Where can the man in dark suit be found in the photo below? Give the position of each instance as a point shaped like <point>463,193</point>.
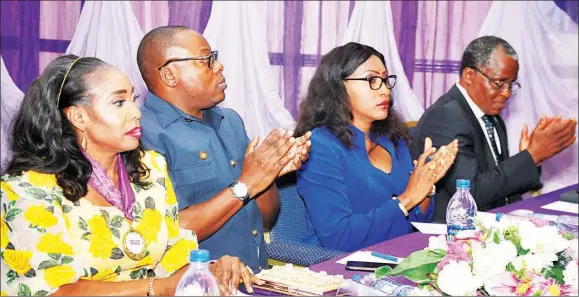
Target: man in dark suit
<point>470,112</point>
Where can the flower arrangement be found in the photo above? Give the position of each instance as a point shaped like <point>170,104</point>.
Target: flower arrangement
<point>504,256</point>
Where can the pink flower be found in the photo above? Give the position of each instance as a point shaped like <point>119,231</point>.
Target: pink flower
<point>551,288</point>
<point>507,284</point>
<point>457,251</point>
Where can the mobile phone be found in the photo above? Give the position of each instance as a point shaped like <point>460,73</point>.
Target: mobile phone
<point>366,266</point>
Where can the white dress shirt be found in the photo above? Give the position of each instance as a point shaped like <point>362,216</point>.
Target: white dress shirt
<point>478,113</point>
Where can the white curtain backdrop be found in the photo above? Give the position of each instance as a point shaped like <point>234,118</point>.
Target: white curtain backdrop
<point>371,24</point>
<point>546,40</point>
<point>10,99</point>
<point>110,31</point>
<point>238,31</point>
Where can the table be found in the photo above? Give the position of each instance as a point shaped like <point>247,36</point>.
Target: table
<point>407,244</point>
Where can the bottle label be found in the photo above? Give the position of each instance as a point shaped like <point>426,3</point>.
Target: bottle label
<point>453,230</point>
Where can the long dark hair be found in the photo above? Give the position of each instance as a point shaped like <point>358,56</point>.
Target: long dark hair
<point>44,140</point>
<point>326,102</point>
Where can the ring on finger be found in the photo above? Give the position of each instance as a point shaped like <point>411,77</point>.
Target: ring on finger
<point>432,166</point>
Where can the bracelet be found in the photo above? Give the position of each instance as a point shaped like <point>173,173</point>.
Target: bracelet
<point>432,192</point>
<point>150,290</point>
<point>402,208</point>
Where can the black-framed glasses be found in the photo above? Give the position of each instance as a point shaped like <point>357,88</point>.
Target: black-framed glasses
<point>211,58</point>
<point>512,87</point>
<point>376,82</point>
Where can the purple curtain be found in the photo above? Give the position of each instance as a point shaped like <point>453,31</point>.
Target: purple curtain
<point>405,19</point>
<point>292,58</point>
<point>571,8</point>
<point>20,40</point>
<point>192,14</point>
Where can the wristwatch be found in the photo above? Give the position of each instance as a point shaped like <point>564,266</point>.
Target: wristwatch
<point>240,190</point>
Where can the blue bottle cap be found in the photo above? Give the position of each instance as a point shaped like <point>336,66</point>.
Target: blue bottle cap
<point>199,256</point>
<point>499,216</point>
<point>463,183</point>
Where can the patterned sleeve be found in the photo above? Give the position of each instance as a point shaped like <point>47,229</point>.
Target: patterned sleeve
<point>37,256</point>
<point>181,241</point>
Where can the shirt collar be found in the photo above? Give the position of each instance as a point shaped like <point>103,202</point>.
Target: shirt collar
<point>167,113</point>
<point>359,139</point>
<point>478,113</point>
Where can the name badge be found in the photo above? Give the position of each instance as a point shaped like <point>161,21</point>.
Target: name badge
<point>134,245</point>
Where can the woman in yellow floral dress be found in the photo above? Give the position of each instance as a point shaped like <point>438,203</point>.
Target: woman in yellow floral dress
<point>79,185</point>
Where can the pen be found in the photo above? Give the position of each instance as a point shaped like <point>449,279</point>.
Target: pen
<point>385,257</point>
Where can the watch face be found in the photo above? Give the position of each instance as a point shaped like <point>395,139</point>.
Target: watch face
<point>240,189</point>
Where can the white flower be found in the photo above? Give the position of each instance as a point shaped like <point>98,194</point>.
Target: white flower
<point>535,261</point>
<point>544,239</point>
<point>493,259</point>
<point>573,249</point>
<point>570,275</point>
<point>456,279</point>
<point>437,243</point>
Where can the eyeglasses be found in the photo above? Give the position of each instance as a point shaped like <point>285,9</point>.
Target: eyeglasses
<point>376,82</point>
<point>512,87</point>
<point>211,58</point>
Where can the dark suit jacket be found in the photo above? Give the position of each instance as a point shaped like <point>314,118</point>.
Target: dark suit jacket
<point>492,185</point>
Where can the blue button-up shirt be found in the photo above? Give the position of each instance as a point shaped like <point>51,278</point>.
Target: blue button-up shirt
<point>204,156</point>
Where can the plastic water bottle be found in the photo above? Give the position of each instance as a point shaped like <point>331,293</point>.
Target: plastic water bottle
<point>461,210</point>
<point>384,284</point>
<point>198,280</point>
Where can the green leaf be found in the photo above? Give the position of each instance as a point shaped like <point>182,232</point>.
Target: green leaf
<point>151,273</point>
<point>136,274</point>
<point>47,264</point>
<point>41,230</point>
<point>24,185</point>
<point>161,181</point>
<point>66,260</point>
<point>137,208</point>
<point>85,236</point>
<point>106,216</point>
<point>117,254</point>
<point>66,208</point>
<point>41,293</point>
<point>30,273</point>
<point>57,197</point>
<point>93,271</point>
<point>554,272</point>
<point>11,276</point>
<point>419,265</point>
<point>36,193</point>
<point>382,271</point>
<point>538,293</point>
<point>82,224</point>
<point>496,237</point>
<point>568,236</point>
<point>117,222</point>
<point>12,213</point>
<point>137,188</point>
<point>50,209</point>
<point>54,256</point>
<point>85,272</point>
<point>116,233</point>
<point>150,203</point>
<point>11,204</point>
<point>118,270</point>
<point>23,290</point>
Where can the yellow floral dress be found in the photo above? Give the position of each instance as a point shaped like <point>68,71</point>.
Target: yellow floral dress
<point>46,241</point>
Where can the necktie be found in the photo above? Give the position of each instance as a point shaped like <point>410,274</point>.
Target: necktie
<point>490,127</point>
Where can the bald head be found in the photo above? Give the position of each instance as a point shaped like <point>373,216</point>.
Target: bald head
<point>153,49</point>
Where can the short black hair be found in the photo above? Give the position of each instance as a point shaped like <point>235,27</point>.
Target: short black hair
<point>478,52</point>
<point>153,44</point>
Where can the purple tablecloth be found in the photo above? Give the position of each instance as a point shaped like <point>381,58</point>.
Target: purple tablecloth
<point>407,244</point>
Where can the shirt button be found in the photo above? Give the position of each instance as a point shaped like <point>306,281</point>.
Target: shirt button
<point>233,163</point>
<point>188,120</point>
<point>254,232</point>
<point>203,155</point>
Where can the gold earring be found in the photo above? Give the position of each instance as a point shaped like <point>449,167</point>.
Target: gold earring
<point>83,142</point>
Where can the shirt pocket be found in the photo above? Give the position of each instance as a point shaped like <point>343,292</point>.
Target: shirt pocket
<point>198,182</point>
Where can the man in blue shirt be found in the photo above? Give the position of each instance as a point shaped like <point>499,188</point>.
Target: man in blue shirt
<point>223,182</point>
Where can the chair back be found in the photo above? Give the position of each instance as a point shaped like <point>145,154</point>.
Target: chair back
<point>291,221</point>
